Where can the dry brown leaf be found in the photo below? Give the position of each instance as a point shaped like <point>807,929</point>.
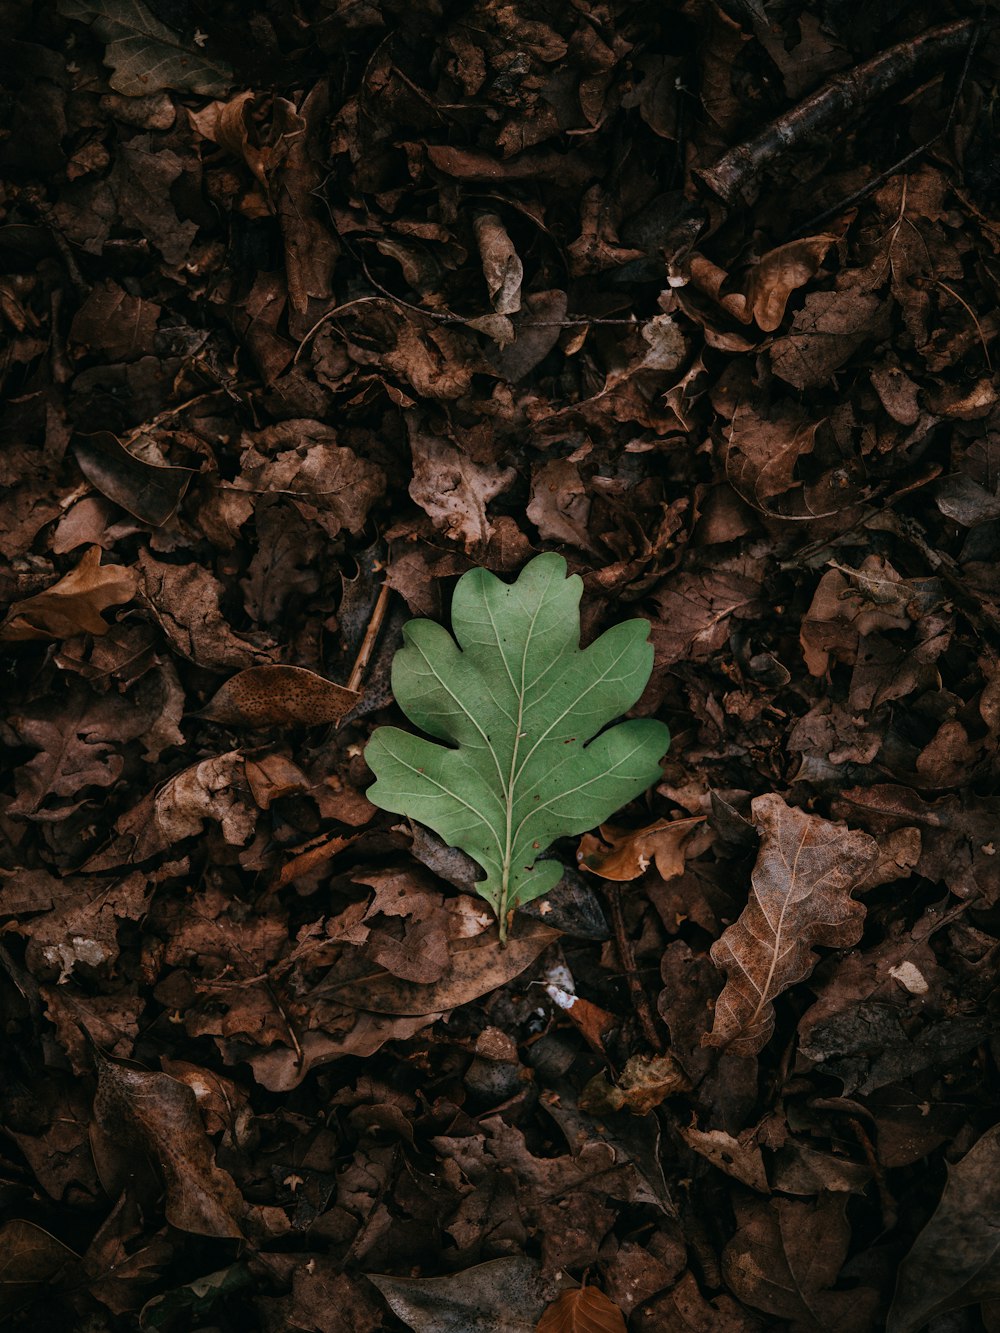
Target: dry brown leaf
<point>270,696</point>
<point>74,604</point>
<point>158,1114</point>
<point>779,273</point>
<point>740,1158</point>
<point>476,967</point>
<point>622,854</point>
<point>225,124</point>
<point>802,882</point>
<point>560,506</point>
<point>763,452</point>
<point>585,1310</point>
<point>29,1258</point>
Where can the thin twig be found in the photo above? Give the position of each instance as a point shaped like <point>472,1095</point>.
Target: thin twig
<point>368,642</point>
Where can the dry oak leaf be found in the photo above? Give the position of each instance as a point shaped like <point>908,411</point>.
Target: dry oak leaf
<point>74,604</point>
<point>152,1112</point>
<point>623,854</point>
<point>585,1310</point>
<point>453,490</point>
<point>268,696</point>
<point>806,870</point>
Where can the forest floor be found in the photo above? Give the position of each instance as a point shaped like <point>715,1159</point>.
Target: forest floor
<point>310,307</point>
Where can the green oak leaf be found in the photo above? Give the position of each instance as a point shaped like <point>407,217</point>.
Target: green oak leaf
<point>519,701</point>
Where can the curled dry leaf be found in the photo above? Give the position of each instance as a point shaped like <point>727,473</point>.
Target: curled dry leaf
<point>740,1158</point>
<point>501,1296</point>
<point>806,870</point>
<point>623,854</point>
<point>645,1082</point>
<point>585,1310</point>
<point>158,1114</point>
<point>149,492</point>
<point>74,604</point>
<point>502,268</point>
<point>779,273</point>
<point>270,696</point>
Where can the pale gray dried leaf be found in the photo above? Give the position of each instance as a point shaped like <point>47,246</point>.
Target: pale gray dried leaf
<point>502,1296</point>
<point>144,53</point>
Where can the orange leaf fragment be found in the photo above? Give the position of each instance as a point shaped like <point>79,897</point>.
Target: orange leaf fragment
<point>268,696</point>
<point>622,854</point>
<point>585,1310</point>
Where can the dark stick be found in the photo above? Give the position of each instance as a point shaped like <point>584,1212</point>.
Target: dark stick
<point>627,959</point>
<point>736,173</point>
<point>878,181</point>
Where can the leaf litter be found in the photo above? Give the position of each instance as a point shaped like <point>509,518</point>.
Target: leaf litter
<point>311,311</point>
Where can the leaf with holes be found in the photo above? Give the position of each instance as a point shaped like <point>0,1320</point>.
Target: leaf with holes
<point>519,701</point>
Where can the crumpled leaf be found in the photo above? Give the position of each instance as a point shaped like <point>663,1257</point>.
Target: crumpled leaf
<point>645,1082</point>
<point>454,490</point>
<point>74,604</point>
<point>144,53</point>
<point>955,1260</point>
<point>519,699</point>
<point>136,1108</point>
<point>270,696</point>
<point>585,1310</point>
<point>801,891</point>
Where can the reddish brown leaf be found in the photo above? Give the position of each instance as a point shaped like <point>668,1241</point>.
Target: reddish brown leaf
<point>585,1310</point>
<point>271,696</point>
<point>801,891</point>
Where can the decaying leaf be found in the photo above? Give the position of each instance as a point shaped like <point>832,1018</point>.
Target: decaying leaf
<point>645,1082</point>
<point>785,1259</point>
<point>144,53</point>
<point>520,699</point>
<point>502,1296</point>
<point>74,604</point>
<point>272,696</point>
<point>585,1310</point>
<point>800,896</point>
<point>30,1258</point>
<point>159,1115</point>
<point>955,1260</point>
